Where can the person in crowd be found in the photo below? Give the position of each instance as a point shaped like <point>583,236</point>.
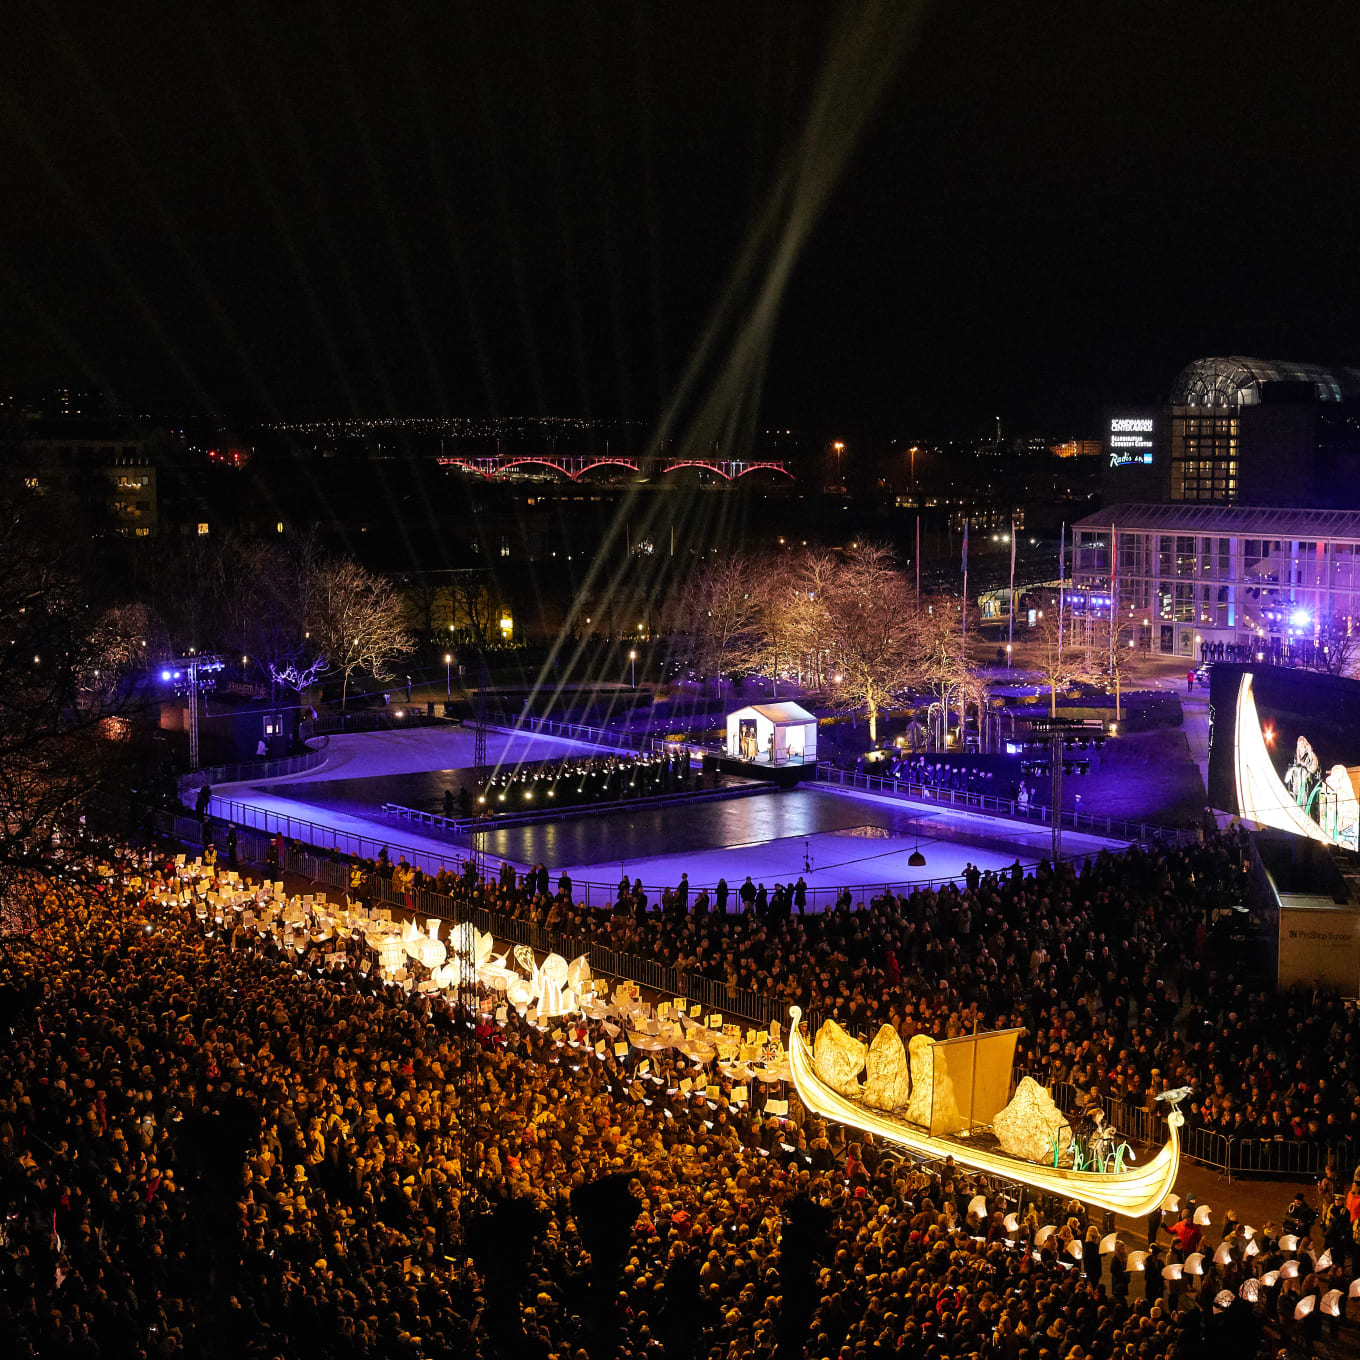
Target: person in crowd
<point>213,1145</point>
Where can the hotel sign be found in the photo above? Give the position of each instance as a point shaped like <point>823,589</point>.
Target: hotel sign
<point>1131,440</point>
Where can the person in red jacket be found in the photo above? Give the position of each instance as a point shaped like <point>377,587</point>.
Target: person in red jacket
<point>1185,1232</point>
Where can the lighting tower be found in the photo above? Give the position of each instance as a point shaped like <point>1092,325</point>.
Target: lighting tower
<point>1055,729</point>
<point>186,674</point>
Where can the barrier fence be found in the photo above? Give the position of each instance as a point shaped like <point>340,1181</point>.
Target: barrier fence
<point>253,769</point>
<point>550,727</point>
<point>1029,813</point>
<point>1279,1157</point>
<point>416,714</point>
<point>247,816</point>
<point>713,993</point>
<point>1228,1153</point>
<point>462,826</point>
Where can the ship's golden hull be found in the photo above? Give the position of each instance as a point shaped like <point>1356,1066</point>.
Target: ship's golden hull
<point>1135,1193</point>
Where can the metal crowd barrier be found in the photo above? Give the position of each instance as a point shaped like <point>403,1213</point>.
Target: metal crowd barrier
<point>1220,1151</point>
<point>414,714</point>
<point>714,993</point>
<point>318,835</point>
<point>1031,813</point>
<point>253,769</point>
<point>550,727</point>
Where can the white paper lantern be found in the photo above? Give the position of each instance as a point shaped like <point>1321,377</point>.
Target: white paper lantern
<point>1331,1303</point>
<point>1250,1291</point>
<point>977,1206</point>
<point>1203,1216</point>
<point>1194,1263</point>
<point>1108,1243</point>
<point>1304,1307</point>
<point>1136,1259</point>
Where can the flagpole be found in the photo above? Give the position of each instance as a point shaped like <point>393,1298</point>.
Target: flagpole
<point>1062,576</point>
<point>918,561</point>
<point>1010,634</point>
<point>965,591</point>
<point>1114,593</point>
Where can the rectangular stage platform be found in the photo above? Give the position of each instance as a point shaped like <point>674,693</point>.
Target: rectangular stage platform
<point>786,774</point>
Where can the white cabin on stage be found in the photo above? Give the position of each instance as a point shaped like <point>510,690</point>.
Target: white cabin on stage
<point>772,734</point>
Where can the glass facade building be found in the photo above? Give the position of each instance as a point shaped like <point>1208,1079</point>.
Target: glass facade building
<point>1267,578</point>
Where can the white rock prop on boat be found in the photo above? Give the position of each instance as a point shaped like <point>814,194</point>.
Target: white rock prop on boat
<point>921,1049</point>
<point>888,1084</point>
<point>838,1059</point>
<point>1027,1126</point>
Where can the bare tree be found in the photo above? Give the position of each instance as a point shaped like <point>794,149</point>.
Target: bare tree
<point>811,577</point>
<point>473,603</point>
<point>357,621</point>
<point>1338,650</point>
<point>943,660</point>
<point>721,611</point>
<point>875,633</point>
<point>1122,663</point>
<point>423,597</point>
<point>1059,660</point>
<point>66,690</point>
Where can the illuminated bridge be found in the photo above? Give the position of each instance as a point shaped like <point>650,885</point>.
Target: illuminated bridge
<point>574,467</point>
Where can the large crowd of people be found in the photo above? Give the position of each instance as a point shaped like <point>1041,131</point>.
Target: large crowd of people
<point>1109,968</point>
<point>213,1145</point>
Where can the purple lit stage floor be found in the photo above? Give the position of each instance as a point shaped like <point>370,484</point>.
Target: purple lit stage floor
<point>832,839</point>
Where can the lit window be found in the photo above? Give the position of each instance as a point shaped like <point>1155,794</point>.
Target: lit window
<point>142,532</point>
<point>278,528</point>
<point>202,530</point>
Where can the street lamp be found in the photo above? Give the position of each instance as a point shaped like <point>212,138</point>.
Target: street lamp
<point>632,665</point>
<point>448,675</point>
<point>839,448</point>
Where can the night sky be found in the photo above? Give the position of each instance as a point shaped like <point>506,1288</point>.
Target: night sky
<point>302,209</point>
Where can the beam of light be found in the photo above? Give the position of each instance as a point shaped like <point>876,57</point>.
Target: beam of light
<point>720,410</point>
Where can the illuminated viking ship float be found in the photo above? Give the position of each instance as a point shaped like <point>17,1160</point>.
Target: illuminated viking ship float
<point>950,1099</point>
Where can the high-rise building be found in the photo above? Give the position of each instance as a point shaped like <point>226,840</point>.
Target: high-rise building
<point>1233,512</point>
<point>1240,431</point>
